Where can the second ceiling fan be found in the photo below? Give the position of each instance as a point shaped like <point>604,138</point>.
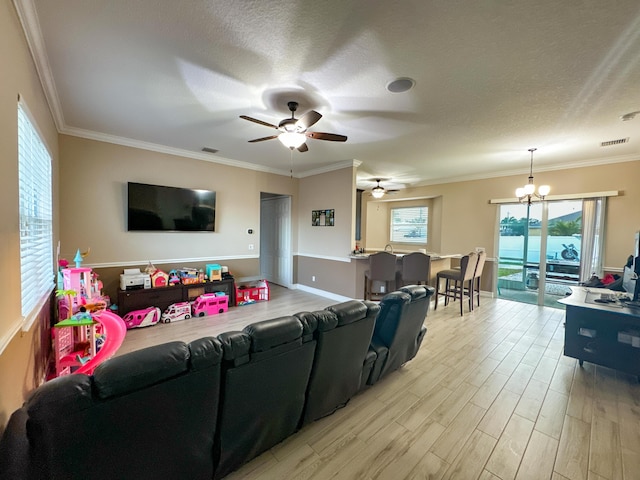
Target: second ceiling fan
<point>293,131</point>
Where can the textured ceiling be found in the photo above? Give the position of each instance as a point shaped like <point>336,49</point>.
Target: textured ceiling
<point>493,79</point>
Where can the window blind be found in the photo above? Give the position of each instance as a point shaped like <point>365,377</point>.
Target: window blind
<point>36,218</point>
<point>409,224</point>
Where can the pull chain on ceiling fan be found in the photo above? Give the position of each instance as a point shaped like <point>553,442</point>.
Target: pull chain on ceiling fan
<point>293,131</point>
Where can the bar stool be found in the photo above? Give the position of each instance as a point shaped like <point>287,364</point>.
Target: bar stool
<point>382,268</point>
<point>482,257</point>
<point>458,282</point>
<point>416,269</point>
<point>475,284</point>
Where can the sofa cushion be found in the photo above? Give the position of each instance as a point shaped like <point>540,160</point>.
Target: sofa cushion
<point>152,365</point>
<point>272,333</point>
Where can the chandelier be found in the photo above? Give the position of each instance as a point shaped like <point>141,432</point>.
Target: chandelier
<point>528,193</point>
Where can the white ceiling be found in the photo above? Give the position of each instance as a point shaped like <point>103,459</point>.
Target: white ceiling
<point>493,78</point>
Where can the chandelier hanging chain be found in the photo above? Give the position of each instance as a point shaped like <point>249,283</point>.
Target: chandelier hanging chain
<point>528,193</point>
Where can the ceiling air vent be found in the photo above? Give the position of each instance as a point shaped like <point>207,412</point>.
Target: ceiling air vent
<point>614,142</point>
<point>209,150</point>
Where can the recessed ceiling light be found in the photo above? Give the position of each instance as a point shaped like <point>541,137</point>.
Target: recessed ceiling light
<point>400,85</point>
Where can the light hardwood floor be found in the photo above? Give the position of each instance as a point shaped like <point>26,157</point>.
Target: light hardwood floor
<point>489,396</point>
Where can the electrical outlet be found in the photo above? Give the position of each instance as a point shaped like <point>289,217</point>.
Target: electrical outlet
<point>251,246</point>
<point>313,278</point>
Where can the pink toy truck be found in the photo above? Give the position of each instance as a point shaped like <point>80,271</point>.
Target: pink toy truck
<point>142,318</point>
<point>210,304</point>
<point>176,311</point>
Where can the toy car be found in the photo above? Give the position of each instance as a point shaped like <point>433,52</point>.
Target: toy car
<point>142,318</point>
<point>176,311</point>
<point>210,304</point>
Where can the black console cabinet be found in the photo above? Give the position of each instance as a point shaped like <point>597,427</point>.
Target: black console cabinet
<point>162,297</point>
<point>601,334</point>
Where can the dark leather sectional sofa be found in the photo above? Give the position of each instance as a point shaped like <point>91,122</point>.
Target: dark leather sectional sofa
<point>201,410</point>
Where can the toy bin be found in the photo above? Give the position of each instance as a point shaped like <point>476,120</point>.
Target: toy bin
<point>251,293</point>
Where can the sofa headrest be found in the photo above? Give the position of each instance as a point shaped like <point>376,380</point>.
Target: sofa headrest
<point>353,310</point>
<point>235,346</point>
<point>327,320</point>
<point>59,396</point>
<point>395,298</point>
<point>140,369</point>
<point>373,308</point>
<point>272,333</point>
<point>309,324</point>
<point>205,352</point>
<point>418,291</point>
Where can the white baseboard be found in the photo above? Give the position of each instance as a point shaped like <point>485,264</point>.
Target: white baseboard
<point>321,293</point>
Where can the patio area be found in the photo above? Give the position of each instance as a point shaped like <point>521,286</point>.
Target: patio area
<point>513,287</point>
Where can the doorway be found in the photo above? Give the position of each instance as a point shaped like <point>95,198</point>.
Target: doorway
<point>539,251</point>
<point>275,239</point>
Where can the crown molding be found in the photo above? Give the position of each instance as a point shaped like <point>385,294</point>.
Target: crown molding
<point>154,147</point>
<point>632,157</point>
<point>28,16</point>
<point>330,168</point>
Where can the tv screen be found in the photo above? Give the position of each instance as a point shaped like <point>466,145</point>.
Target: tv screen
<point>161,208</point>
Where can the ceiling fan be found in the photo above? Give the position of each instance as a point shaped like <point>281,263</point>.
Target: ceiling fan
<point>379,191</point>
<point>293,131</point>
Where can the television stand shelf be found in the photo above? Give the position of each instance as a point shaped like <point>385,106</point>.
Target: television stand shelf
<point>162,297</point>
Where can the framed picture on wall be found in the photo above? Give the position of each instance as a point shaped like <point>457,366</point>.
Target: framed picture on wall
<point>322,218</point>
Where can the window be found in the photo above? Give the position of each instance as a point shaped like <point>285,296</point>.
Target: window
<point>409,224</point>
<point>36,219</point>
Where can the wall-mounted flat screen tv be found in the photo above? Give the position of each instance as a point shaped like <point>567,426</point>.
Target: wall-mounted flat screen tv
<point>162,208</point>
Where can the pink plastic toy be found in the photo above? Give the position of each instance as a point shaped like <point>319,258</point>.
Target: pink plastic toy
<point>114,331</point>
<point>210,304</point>
<point>176,311</point>
<point>142,318</point>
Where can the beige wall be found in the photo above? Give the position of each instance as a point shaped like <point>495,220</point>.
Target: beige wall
<point>323,251</point>
<point>468,220</point>
<point>378,214</point>
<point>332,190</point>
<point>21,363</point>
<point>93,183</point>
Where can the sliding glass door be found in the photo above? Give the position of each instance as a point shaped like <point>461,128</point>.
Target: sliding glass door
<point>563,247</point>
<point>539,251</point>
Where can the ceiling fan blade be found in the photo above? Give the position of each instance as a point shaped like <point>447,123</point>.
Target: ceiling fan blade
<point>255,120</point>
<point>333,137</point>
<point>263,139</point>
<point>303,148</point>
<point>308,119</point>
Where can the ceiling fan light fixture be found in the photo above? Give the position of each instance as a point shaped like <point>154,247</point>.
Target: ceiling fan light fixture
<point>292,139</point>
<point>377,192</point>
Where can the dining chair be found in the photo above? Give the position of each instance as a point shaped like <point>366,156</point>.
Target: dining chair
<point>382,268</point>
<point>458,282</point>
